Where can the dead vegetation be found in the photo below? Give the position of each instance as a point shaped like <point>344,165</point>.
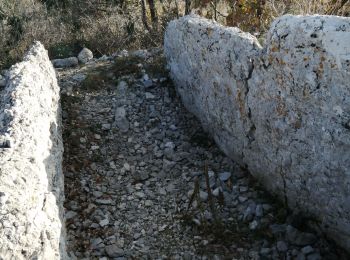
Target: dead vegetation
<point>65,26</point>
<point>220,234</point>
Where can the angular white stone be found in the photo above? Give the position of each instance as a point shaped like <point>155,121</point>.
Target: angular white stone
<point>31,179</point>
<point>85,55</point>
<point>104,222</point>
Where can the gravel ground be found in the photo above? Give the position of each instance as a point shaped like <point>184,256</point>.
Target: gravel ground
<point>144,181</point>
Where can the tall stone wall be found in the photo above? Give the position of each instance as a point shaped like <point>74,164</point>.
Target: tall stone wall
<point>31,180</point>
<point>283,110</point>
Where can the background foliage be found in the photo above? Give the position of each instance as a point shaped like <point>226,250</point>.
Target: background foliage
<point>106,26</point>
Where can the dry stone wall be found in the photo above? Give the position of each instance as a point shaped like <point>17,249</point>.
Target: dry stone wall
<point>283,111</point>
<point>31,180</point>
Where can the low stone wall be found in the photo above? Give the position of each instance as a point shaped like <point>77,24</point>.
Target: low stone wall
<point>282,111</point>
<point>31,180</point>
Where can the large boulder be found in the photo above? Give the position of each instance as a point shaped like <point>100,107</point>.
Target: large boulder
<point>85,55</point>
<point>282,111</point>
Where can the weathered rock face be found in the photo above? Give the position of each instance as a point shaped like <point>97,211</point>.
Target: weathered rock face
<point>31,182</point>
<point>283,110</point>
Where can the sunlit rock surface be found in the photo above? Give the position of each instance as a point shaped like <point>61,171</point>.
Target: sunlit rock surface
<point>31,181</point>
<point>283,111</point>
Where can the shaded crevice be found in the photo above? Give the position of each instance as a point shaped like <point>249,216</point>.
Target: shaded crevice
<point>5,143</point>
<point>250,72</point>
<point>252,128</point>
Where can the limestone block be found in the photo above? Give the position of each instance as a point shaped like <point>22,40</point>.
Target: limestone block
<point>31,179</point>
<point>282,111</point>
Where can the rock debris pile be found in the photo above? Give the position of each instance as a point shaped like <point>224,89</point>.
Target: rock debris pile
<point>143,181</point>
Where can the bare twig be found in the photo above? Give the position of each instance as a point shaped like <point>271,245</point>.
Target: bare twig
<point>210,195</point>
<point>194,194</point>
<point>337,7</point>
<point>216,11</point>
